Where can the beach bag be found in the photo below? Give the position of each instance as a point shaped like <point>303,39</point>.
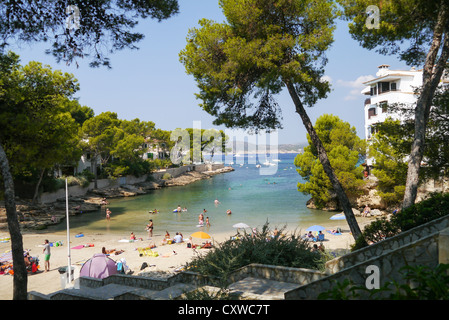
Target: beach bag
<point>189,245</point>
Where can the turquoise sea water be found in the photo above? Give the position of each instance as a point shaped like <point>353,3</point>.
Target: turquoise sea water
<point>253,199</point>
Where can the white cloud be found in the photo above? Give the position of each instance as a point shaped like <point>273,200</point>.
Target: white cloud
<point>356,86</point>
<point>326,78</point>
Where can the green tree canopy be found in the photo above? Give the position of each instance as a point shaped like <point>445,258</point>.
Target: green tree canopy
<point>241,65</point>
<point>345,150</point>
<point>391,145</point>
<point>37,131</point>
<point>263,47</point>
<point>418,31</point>
<point>194,143</point>
<point>102,26</point>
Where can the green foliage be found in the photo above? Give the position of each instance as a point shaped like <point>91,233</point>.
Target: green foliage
<point>344,149</point>
<point>260,247</point>
<point>391,145</point>
<point>389,148</point>
<point>108,137</point>
<point>436,206</point>
<point>378,230</point>
<point>417,283</point>
<point>167,176</point>
<point>240,65</point>
<point>36,129</point>
<point>196,143</point>
<point>104,26</point>
<point>344,290</point>
<point>405,26</point>
<point>425,283</point>
<point>42,127</point>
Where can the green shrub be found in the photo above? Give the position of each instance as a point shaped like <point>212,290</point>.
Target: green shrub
<point>52,184</point>
<point>167,176</point>
<point>417,283</point>
<point>436,206</point>
<point>284,250</point>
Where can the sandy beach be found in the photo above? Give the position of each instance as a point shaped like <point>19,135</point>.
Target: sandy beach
<point>170,256</point>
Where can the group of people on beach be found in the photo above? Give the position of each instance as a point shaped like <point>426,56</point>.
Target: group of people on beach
<point>201,219</point>
<point>178,238</point>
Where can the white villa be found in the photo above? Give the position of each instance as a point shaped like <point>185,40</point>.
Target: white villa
<point>390,86</point>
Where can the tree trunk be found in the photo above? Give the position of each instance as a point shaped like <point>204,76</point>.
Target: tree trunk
<point>322,155</point>
<point>20,280</point>
<point>431,77</point>
<point>36,190</point>
<point>93,164</point>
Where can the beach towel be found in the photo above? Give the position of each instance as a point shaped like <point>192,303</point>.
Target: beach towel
<point>335,234</point>
<point>78,247</point>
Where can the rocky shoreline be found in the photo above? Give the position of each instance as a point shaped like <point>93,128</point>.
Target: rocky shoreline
<point>39,216</point>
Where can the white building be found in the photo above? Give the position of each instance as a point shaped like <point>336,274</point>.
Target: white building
<point>390,86</point>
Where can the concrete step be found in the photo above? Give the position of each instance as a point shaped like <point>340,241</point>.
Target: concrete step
<point>251,288</point>
<point>107,292</point>
<point>172,292</point>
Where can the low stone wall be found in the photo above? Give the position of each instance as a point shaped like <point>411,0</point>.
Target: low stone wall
<point>284,274</point>
<point>78,191</point>
<point>424,251</point>
<point>367,253</point>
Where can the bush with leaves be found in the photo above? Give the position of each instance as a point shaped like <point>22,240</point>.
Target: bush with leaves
<point>417,283</point>
<point>436,206</point>
<point>259,247</point>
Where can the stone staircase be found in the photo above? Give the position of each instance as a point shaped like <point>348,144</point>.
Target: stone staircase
<point>425,245</point>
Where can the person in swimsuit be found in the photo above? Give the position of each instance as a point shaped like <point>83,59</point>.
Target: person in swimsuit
<point>150,228</point>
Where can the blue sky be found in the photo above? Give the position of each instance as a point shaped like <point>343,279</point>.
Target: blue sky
<point>151,83</point>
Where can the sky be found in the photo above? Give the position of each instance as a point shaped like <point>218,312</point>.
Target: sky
<point>151,83</point>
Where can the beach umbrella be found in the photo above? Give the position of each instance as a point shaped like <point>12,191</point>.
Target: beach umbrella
<point>316,228</point>
<point>241,225</point>
<point>100,266</point>
<point>339,216</point>
<point>200,234</point>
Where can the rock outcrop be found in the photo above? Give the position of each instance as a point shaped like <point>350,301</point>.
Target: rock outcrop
<point>36,217</point>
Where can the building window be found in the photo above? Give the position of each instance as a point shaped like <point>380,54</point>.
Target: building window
<point>371,112</point>
<point>373,91</point>
<point>394,86</point>
<point>383,87</point>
